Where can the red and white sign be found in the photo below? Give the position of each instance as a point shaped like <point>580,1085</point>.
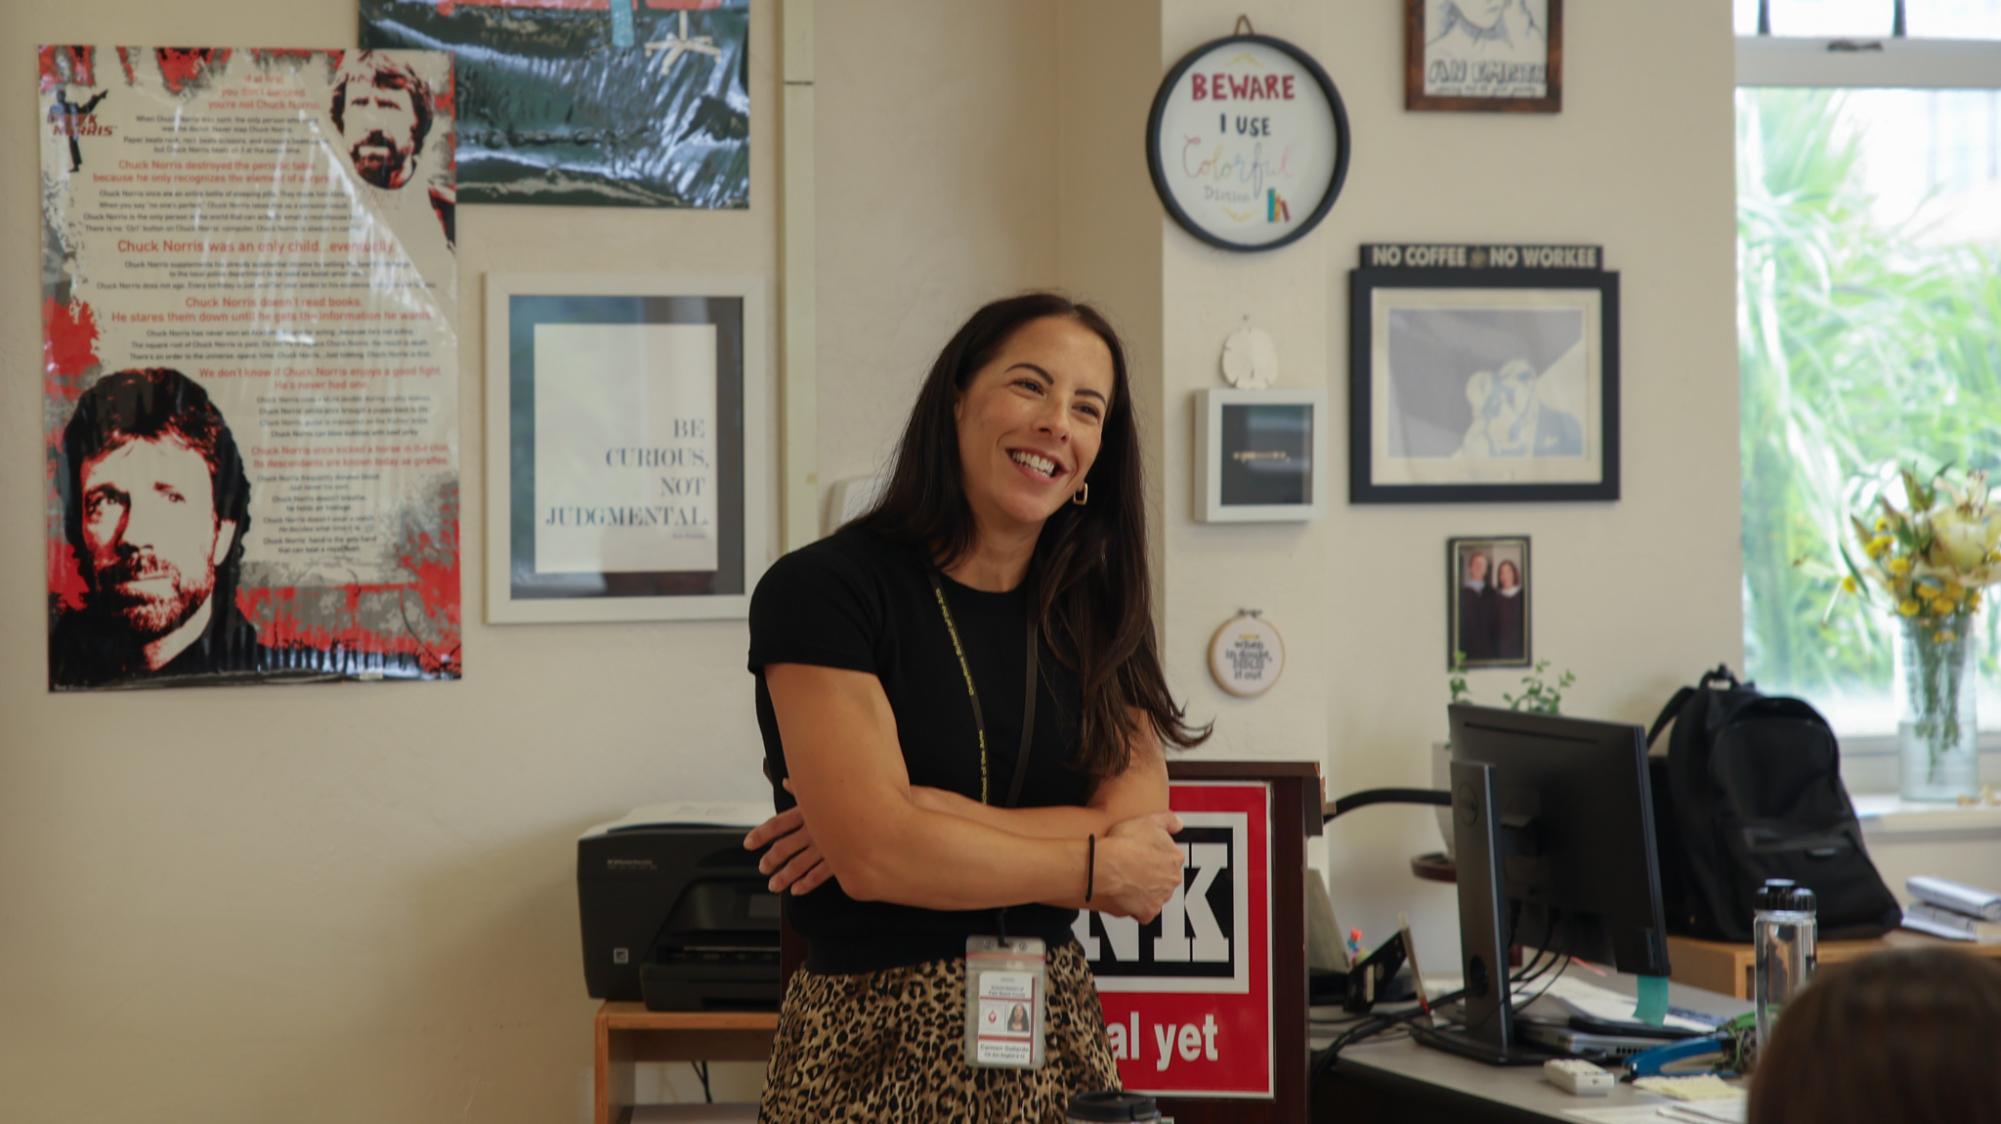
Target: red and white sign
<point>1187,997</point>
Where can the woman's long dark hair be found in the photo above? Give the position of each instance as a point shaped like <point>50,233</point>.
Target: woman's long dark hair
<point>1088,576</point>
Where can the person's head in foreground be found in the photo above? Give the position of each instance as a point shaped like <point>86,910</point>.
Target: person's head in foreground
<point>1911,1036</point>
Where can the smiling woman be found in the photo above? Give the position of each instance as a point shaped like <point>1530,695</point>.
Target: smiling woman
<point>931,792</point>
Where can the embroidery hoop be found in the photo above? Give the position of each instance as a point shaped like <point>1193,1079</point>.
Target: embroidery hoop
<point>1246,632</point>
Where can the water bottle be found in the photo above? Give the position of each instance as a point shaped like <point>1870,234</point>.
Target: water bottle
<point>1098,1108</point>
<point>1782,937</point>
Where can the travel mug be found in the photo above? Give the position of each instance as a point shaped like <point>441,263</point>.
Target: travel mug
<point>1098,1108</point>
<point>1783,940</point>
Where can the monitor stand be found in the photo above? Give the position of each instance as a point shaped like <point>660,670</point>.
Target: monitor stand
<point>1489,1033</point>
<point>1468,1044</point>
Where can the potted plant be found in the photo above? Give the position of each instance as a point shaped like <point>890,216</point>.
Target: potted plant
<point>1539,694</point>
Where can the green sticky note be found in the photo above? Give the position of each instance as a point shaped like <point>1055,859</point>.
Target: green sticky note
<point>1653,1003</point>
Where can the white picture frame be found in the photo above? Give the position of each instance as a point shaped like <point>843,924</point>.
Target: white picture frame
<point>628,420</point>
<point>1248,449</point>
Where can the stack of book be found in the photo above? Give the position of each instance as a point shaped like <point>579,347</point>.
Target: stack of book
<point>1953,910</point>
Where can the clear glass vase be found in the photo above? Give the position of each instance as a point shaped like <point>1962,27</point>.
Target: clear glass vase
<point>1938,753</point>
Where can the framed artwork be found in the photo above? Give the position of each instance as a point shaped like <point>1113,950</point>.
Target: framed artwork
<point>620,417</point>
<point>1483,385</point>
<point>1487,602</point>
<point>1483,55</point>
<point>1247,142</point>
<point>570,102</point>
<point>1260,455</point>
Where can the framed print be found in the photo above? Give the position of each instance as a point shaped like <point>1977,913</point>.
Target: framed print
<point>1483,385</point>
<point>1260,455</point>
<point>1483,55</point>
<point>1487,602</point>
<point>1247,142</point>
<point>621,412</point>
<point>580,103</point>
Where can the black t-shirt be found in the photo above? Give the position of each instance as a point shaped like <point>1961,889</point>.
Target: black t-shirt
<point>860,601</point>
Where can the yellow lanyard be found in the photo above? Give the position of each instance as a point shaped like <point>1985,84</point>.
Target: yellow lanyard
<point>973,695</point>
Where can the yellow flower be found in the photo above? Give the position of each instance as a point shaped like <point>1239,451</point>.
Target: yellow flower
<point>1877,547</point>
<point>1944,636</point>
<point>1909,607</point>
<point>1882,524</point>
<point>1953,591</point>
<point>1898,566</point>
<point>1941,608</point>
<point>1973,601</point>
<point>1848,584</point>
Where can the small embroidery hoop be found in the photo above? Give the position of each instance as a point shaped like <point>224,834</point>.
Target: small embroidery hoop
<point>1247,622</point>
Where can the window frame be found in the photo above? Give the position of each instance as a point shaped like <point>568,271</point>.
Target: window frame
<point>1869,762</point>
<point>1913,64</point>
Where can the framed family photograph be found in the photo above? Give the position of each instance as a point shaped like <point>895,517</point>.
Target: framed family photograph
<point>621,414</point>
<point>1483,385</point>
<point>1484,55</point>
<point>1487,602</point>
<point>1260,455</point>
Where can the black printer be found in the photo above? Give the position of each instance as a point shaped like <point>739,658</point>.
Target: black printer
<point>675,912</point>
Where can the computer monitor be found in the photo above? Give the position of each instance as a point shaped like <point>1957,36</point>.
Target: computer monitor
<point>1553,834</point>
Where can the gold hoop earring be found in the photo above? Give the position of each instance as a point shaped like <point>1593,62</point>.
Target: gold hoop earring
<point>1083,495</point>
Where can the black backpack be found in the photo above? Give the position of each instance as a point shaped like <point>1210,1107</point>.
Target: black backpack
<point>1751,789</point>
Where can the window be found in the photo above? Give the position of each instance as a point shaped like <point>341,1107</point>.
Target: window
<point>1869,309</point>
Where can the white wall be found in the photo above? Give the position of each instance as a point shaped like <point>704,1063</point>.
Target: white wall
<point>935,124</point>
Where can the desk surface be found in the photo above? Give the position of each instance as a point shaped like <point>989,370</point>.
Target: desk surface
<point>1520,1090</point>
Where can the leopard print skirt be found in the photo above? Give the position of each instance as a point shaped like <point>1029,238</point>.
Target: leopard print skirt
<point>890,1047</point>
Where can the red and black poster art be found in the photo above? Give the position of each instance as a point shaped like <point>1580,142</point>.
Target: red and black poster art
<point>250,367</point>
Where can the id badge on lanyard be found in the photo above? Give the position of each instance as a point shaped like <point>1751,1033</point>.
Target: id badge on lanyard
<point>1005,976</point>
<point>1006,1001</point>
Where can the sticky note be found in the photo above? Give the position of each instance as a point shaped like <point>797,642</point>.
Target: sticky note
<point>1653,995</point>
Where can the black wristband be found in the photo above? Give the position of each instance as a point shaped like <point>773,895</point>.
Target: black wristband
<point>1091,868</point>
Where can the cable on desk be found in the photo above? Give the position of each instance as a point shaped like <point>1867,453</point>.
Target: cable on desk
<point>1323,1061</point>
<point>1535,969</point>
